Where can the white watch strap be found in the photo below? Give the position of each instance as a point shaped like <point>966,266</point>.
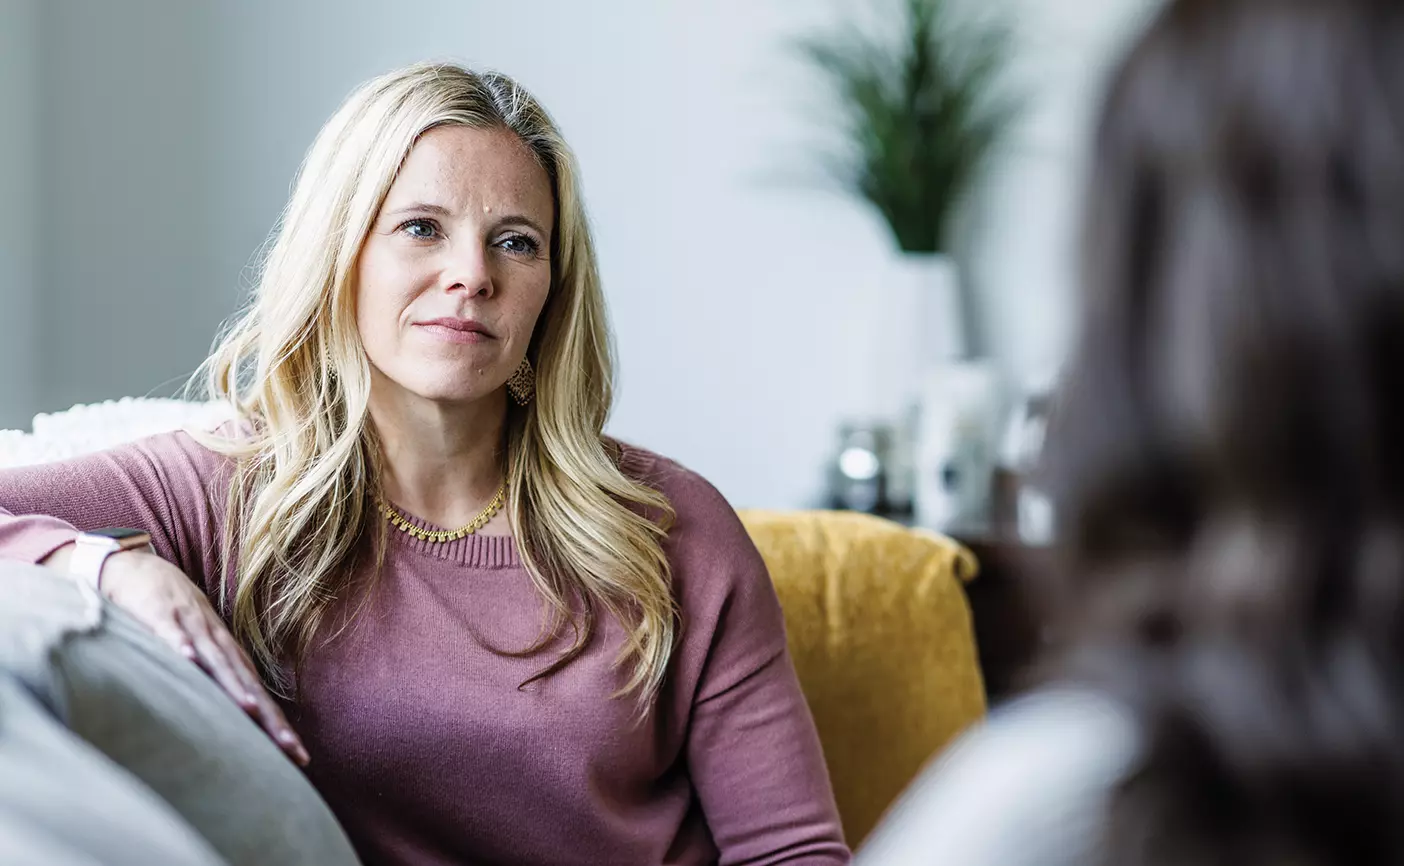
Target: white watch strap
<point>87,561</point>
<point>90,553</point>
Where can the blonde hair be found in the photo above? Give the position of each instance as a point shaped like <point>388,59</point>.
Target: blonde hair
<point>294,368</point>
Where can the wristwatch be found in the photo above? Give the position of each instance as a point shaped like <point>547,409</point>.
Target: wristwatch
<point>91,549</point>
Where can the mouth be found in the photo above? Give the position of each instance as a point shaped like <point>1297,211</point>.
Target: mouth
<point>455,330</point>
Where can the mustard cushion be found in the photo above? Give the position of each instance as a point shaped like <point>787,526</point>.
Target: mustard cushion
<point>882,639</point>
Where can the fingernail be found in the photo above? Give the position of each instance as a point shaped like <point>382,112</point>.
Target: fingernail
<point>188,651</point>
<point>249,698</point>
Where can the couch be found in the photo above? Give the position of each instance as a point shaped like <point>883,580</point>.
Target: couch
<point>880,631</point>
<point>877,617</point>
<point>115,749</point>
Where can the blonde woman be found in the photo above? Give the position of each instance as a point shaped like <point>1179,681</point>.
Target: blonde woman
<point>494,634</point>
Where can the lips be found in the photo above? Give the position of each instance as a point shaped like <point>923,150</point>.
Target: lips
<point>454,331</point>
<point>462,326</point>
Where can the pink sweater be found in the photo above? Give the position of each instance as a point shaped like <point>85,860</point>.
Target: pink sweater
<point>421,740</point>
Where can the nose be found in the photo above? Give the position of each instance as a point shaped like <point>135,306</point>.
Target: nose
<point>468,270</point>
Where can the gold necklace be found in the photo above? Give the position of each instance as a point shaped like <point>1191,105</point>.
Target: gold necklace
<point>442,536</point>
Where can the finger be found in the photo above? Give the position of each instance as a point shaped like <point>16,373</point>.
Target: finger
<point>244,668</point>
<point>175,637</point>
<point>273,719</point>
<point>239,661</point>
<point>255,702</point>
<point>266,710</point>
<point>251,697</point>
<point>213,660</point>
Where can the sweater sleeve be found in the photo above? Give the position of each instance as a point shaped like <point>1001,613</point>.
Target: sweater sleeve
<point>752,750</point>
<point>168,485</point>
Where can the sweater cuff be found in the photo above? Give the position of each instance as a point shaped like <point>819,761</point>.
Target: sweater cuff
<point>31,538</point>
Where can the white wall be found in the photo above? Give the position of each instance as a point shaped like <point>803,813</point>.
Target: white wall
<point>20,217</point>
<point>174,130</point>
<point>1023,256</point>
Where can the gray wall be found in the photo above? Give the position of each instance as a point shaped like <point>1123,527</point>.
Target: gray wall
<point>171,131</point>
<point>20,215</point>
<point>129,300</point>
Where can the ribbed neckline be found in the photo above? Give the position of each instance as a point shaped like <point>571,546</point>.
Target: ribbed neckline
<point>474,551</point>
<point>499,551</point>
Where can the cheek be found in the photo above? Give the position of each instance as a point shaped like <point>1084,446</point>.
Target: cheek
<point>531,304</point>
<point>380,299</point>
<point>368,319</point>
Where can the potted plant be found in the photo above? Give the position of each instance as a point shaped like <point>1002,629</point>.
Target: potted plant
<point>918,117</point>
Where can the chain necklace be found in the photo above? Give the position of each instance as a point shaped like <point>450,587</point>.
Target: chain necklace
<point>442,536</point>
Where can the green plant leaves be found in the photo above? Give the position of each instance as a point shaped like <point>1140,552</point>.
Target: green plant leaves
<point>919,118</point>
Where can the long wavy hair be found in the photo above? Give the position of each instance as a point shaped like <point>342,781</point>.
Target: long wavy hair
<point>294,368</point>
<point>1228,455</point>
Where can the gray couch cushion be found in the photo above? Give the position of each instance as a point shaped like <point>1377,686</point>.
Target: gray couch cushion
<point>117,686</point>
<point>62,803</point>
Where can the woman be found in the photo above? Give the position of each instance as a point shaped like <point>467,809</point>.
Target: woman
<point>498,635</point>
<point>1227,465</point>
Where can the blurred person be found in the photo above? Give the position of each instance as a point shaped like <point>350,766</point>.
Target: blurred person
<point>1228,465</point>
<point>496,634</point>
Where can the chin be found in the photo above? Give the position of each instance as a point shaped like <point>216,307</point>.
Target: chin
<point>448,389</point>
<point>452,393</point>
<point>448,383</point>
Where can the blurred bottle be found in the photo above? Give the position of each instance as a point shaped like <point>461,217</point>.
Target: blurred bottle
<point>955,449</point>
<point>860,471</point>
<point>1027,511</point>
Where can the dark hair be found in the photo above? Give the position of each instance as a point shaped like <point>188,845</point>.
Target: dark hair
<point>1227,455</point>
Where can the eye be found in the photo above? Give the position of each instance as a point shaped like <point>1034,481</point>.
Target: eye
<point>420,229</point>
<point>519,245</point>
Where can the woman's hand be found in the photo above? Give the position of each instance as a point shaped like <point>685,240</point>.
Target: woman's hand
<point>169,603</point>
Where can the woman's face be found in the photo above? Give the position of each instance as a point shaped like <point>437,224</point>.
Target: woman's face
<point>456,268</point>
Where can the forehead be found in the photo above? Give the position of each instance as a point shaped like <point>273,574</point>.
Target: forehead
<point>459,167</point>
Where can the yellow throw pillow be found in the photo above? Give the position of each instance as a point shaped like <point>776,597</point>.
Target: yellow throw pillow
<point>881,635</point>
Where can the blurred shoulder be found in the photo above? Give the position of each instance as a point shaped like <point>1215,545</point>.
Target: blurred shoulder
<point>1029,785</point>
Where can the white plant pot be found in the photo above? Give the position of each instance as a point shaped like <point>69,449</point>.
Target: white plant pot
<point>934,281</point>
<point>955,453</point>
<point>917,326</point>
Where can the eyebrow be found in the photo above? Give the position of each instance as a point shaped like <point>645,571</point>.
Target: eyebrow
<point>440,210</point>
<point>421,207</point>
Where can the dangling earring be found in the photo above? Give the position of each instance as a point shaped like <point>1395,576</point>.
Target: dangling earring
<point>522,383</point>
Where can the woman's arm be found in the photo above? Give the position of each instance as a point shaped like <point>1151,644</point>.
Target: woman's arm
<point>173,488</point>
<point>753,752</point>
<point>168,485</point>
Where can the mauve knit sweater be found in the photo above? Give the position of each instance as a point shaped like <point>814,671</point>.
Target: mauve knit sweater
<point>422,740</point>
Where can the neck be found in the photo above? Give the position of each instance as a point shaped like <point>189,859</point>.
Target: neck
<point>442,462</point>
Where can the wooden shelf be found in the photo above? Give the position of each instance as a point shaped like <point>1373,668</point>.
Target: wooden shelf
<point>1006,631</point>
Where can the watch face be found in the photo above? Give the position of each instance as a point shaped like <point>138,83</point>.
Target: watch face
<point>117,533</point>
<point>121,538</point>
